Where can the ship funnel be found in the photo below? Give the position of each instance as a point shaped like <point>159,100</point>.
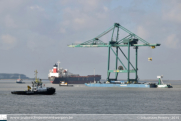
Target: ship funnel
<point>55,68</point>
<point>55,65</point>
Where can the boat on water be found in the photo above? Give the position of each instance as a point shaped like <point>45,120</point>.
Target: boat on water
<point>57,75</point>
<point>63,83</point>
<point>122,84</point>
<point>126,84</point>
<point>161,84</point>
<point>36,88</point>
<point>19,80</point>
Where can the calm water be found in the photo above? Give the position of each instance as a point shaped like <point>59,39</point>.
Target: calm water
<point>86,100</point>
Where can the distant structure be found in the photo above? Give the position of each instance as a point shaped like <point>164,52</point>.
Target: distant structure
<point>12,76</point>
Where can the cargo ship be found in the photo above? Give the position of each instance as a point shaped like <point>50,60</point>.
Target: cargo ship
<point>57,75</point>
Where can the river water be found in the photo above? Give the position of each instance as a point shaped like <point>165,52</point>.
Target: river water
<point>80,99</point>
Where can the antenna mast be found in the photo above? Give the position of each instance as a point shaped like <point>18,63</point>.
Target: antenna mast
<point>94,74</point>
<point>36,74</point>
<point>58,64</point>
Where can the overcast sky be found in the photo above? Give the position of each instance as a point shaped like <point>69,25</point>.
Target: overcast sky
<point>35,34</point>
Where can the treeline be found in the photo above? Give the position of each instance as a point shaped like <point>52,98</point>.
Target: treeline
<point>12,76</point>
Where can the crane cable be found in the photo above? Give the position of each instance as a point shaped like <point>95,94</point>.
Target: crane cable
<point>151,55</point>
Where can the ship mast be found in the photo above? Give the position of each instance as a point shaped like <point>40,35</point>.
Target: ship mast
<point>36,80</point>
<point>94,74</point>
<point>36,74</point>
<point>58,64</point>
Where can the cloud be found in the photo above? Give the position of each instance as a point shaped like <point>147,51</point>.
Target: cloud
<point>7,6</point>
<point>142,32</point>
<point>83,14</point>
<point>105,8</point>
<point>7,42</point>
<point>62,30</point>
<point>36,7</point>
<point>9,22</point>
<point>37,42</point>
<point>172,41</point>
<point>79,21</point>
<point>173,13</point>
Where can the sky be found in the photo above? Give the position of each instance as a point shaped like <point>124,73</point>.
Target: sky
<point>34,35</point>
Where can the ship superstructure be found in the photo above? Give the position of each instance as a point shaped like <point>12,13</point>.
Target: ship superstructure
<point>60,74</point>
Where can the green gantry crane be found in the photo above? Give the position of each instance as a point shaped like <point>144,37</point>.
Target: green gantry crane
<point>129,41</point>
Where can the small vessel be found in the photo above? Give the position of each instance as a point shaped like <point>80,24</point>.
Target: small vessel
<point>161,84</point>
<point>19,80</point>
<point>63,83</point>
<point>56,75</point>
<point>36,88</point>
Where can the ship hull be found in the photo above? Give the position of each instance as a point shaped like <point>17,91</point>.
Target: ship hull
<point>50,91</point>
<point>75,80</point>
<point>164,86</point>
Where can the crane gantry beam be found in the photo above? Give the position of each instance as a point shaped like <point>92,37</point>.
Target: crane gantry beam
<point>131,40</point>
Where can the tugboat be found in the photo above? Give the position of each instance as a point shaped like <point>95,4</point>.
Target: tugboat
<point>36,88</point>
<point>161,84</point>
<point>19,80</point>
<point>63,83</point>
